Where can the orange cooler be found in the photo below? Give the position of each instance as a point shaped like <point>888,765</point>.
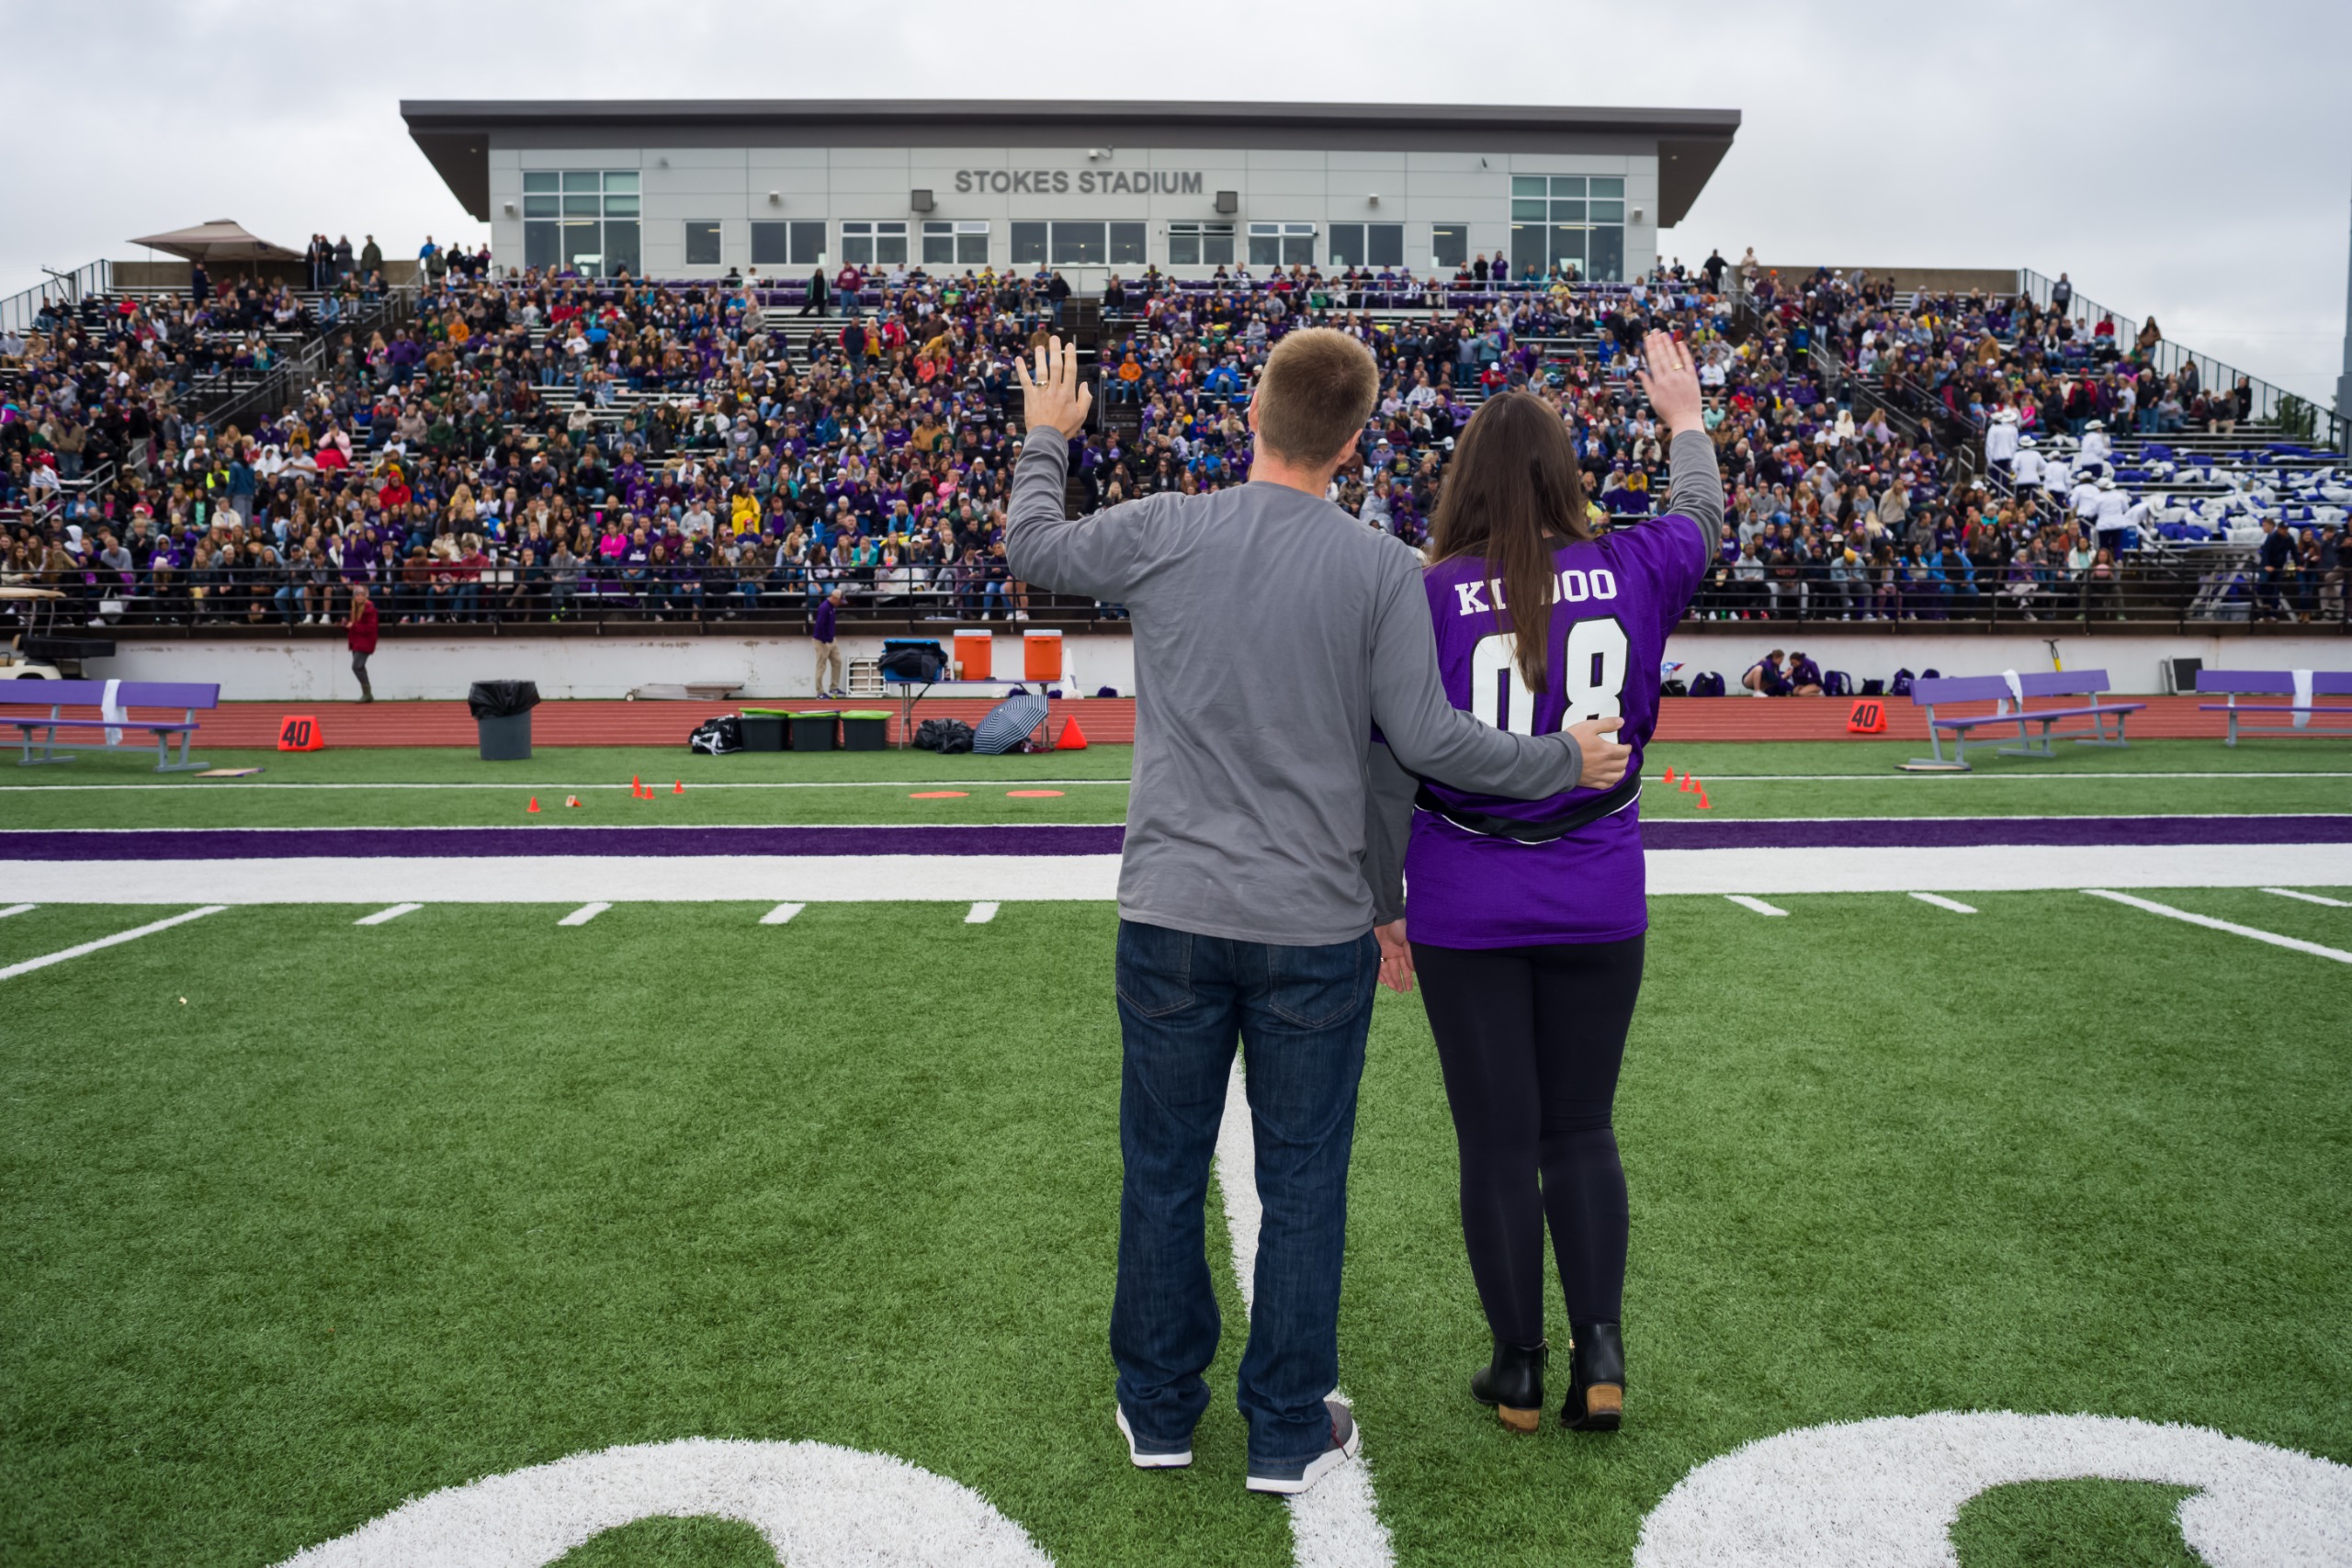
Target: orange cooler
<point>1042,656</point>
<point>976,651</point>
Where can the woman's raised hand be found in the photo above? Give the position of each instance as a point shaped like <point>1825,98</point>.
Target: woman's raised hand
<point>1671,380</point>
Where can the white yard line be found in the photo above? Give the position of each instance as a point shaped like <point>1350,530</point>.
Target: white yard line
<point>394,913</point>
<point>2293,943</point>
<point>43,962</point>
<point>782,914</point>
<point>583,915</point>
<point>1337,1525</point>
<point>17,910</point>
<point>1762,908</point>
<point>2282,892</point>
<point>981,913</point>
<point>1940,902</point>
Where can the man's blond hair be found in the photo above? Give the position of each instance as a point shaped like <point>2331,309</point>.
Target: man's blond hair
<point>1317,389</point>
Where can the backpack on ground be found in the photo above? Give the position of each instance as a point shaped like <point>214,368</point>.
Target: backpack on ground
<point>1901,686</point>
<point>1707,684</point>
<point>949,737</point>
<point>1873,687</point>
<point>717,737</point>
<point>1838,683</point>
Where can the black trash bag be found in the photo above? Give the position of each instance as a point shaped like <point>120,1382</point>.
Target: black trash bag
<point>502,699</point>
<point>949,737</point>
<point>717,737</point>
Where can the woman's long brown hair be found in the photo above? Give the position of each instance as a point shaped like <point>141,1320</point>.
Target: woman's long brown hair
<point>1512,495</point>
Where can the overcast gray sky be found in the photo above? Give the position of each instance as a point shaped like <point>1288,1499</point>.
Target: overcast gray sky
<point>2188,159</point>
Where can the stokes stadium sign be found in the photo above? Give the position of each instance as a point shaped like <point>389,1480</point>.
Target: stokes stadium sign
<point>1086,182</point>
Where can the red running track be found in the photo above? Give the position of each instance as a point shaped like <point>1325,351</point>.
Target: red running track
<point>1111,720</point>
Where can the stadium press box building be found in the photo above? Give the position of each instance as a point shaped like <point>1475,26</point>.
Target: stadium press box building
<point>697,189</point>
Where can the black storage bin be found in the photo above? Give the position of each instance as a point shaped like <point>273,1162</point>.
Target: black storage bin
<point>763,729</point>
<point>816,731</point>
<point>866,731</point>
<point>502,711</point>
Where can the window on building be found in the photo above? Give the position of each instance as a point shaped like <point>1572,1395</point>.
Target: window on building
<point>1029,244</point>
<point>874,244</point>
<point>1281,245</point>
<point>964,242</point>
<point>1200,244</point>
<point>1078,245</point>
<point>1449,245</point>
<point>1569,220</point>
<point>798,244</point>
<point>1078,242</point>
<point>1367,244</point>
<point>1127,244</point>
<point>702,243</point>
<point>582,218</point>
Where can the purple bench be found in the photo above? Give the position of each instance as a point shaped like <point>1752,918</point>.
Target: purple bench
<point>114,699</point>
<point>2009,692</point>
<point>2302,688</point>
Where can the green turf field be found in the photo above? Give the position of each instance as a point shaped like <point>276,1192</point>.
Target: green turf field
<point>1784,779</point>
<point>302,1219</point>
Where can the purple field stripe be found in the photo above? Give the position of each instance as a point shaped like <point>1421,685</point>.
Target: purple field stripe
<point>1965,832</point>
<point>277,843</point>
<point>1022,839</point>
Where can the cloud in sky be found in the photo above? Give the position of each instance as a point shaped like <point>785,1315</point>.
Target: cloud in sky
<point>2175,159</point>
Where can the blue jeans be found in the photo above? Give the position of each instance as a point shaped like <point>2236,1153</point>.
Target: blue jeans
<point>1300,1014</point>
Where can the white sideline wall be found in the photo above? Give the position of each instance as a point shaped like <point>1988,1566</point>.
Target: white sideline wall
<point>409,667</point>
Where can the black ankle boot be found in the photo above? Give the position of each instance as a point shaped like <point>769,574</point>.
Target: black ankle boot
<point>1596,1378</point>
<point>1513,1384</point>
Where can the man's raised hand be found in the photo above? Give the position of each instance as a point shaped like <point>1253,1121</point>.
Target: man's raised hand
<point>1672,382</point>
<point>1054,396</point>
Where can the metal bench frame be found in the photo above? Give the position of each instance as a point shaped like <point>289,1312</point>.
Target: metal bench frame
<point>2232,685</point>
<point>2011,709</point>
<point>163,729</point>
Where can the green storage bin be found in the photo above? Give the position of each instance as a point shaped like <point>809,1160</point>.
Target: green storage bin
<point>865,729</point>
<point>817,731</point>
<point>762,728</point>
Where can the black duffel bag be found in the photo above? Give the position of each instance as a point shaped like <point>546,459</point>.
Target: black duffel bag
<point>949,737</point>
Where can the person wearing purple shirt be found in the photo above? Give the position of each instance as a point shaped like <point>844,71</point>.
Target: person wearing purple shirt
<point>1527,919</point>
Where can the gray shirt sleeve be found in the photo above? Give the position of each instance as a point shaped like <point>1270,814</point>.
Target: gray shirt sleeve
<point>1697,491</point>
<point>1388,791</point>
<point>1427,734</point>
<point>1096,556</point>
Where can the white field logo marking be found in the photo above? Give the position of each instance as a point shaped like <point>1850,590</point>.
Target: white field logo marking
<point>1885,1494</point>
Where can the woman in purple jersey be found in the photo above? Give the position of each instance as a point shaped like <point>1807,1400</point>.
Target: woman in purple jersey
<point>1528,918</point>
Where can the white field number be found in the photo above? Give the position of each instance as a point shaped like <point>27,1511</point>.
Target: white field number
<point>1594,676</point>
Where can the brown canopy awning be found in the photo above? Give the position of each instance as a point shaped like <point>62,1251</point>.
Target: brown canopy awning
<point>221,240</point>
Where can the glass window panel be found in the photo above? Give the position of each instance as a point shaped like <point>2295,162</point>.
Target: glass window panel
<point>1607,212</point>
<point>1568,212</point>
<point>1126,244</point>
<point>1608,185</point>
<point>1265,250</point>
<point>1571,186</point>
<point>1529,243</point>
<point>1607,248</point>
<point>972,245</point>
<point>771,245</point>
<point>1184,245</point>
<point>1528,211</point>
<point>543,179</point>
<point>1568,248</point>
<point>582,247</point>
<point>1527,185</point>
<point>1298,250</point>
<point>620,207</point>
<point>542,205</point>
<point>1385,244</point>
<point>1347,244</point>
<point>938,244</point>
<point>1450,244</point>
<point>621,249</point>
<point>620,181</point>
<point>1028,244</point>
<point>1217,245</point>
<point>890,244</point>
<point>1078,245</point>
<point>539,244</point>
<point>575,179</point>
<point>857,250</point>
<point>808,242</point>
<point>702,245</point>
<point>582,206</point>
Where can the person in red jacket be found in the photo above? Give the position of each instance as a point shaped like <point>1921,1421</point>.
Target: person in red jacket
<point>359,635</point>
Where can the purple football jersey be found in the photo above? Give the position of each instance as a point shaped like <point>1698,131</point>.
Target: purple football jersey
<point>1614,601</point>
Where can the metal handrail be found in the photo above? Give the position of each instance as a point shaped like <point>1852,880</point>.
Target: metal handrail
<point>18,310</point>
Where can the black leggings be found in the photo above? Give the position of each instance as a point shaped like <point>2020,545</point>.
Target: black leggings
<point>1531,1039</point>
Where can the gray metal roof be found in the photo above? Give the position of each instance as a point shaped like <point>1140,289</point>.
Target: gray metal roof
<point>456,134</point>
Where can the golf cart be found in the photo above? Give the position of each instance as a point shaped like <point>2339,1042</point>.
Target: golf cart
<point>35,651</point>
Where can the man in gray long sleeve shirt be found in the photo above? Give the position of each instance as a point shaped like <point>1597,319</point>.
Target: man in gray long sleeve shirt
<point>1272,633</point>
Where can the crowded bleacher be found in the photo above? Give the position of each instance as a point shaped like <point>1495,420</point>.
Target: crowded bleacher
<point>528,449</point>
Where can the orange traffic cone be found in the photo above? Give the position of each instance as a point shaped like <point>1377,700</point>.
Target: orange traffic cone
<point>534,806</point>
<point>1669,774</point>
<point>1703,804</point>
<point>680,788</point>
<point>637,786</point>
<point>1689,783</point>
<point>572,800</point>
<point>1073,738</point>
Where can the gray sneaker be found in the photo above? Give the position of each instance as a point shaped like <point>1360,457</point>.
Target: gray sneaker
<point>1152,1456</point>
<point>1290,1480</point>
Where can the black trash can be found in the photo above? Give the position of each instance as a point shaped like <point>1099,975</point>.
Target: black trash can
<point>762,728</point>
<point>502,711</point>
<point>814,731</point>
<point>866,730</point>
